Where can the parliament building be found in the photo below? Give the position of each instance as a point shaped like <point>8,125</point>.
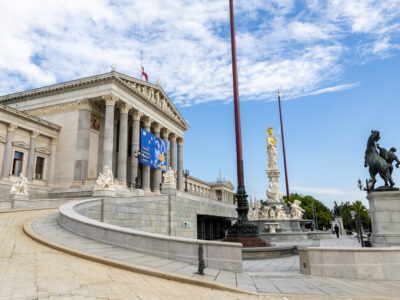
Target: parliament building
<point>62,136</point>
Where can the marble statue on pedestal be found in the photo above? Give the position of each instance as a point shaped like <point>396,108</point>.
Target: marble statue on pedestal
<point>169,177</point>
<point>274,195</point>
<point>296,211</point>
<point>20,187</point>
<point>105,181</point>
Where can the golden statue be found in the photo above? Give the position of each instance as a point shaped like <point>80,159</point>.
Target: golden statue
<point>271,149</point>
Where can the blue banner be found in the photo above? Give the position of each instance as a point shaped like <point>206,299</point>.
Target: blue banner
<point>154,151</point>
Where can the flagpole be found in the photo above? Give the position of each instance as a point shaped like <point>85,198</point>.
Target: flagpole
<point>283,148</point>
<point>242,228</point>
<point>141,64</point>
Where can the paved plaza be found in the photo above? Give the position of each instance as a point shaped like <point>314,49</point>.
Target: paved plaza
<point>279,277</point>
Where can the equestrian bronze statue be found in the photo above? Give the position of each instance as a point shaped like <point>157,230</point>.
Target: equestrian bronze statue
<point>379,162</point>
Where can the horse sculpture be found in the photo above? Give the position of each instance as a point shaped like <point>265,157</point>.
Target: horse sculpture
<point>375,162</point>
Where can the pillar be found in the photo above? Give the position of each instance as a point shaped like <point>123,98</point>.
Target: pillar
<point>52,167</point>
<point>31,156</point>
<point>156,172</point>
<point>164,135</point>
<point>180,164</point>
<point>136,115</point>
<point>82,141</point>
<point>146,169</point>
<point>5,172</point>
<point>110,101</point>
<point>123,143</point>
<point>172,139</point>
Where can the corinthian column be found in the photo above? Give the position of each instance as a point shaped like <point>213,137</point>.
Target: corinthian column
<point>180,164</point>
<point>123,142</point>
<point>82,141</point>
<point>156,172</point>
<point>136,115</point>
<point>31,156</point>
<point>146,169</point>
<point>110,101</point>
<point>5,172</point>
<point>172,145</point>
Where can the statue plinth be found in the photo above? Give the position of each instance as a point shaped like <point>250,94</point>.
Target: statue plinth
<point>385,212</point>
<point>274,195</point>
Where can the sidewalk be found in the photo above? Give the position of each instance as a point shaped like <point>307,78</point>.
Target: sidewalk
<point>280,275</point>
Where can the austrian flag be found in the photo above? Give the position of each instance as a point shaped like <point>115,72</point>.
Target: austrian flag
<point>145,74</point>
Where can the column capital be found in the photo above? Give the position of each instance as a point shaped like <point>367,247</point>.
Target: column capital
<point>54,141</point>
<point>34,134</point>
<point>84,104</point>
<point>136,115</point>
<point>147,121</point>
<point>172,137</point>
<point>156,127</point>
<point>124,107</point>
<point>165,133</point>
<point>180,141</point>
<point>12,127</point>
<point>110,99</point>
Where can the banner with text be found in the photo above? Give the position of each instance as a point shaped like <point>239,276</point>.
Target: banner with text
<point>154,151</point>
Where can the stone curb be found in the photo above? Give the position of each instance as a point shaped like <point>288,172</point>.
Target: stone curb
<point>129,267</point>
<point>25,209</point>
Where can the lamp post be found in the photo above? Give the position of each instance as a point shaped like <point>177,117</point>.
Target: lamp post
<point>357,216</point>
<point>186,174</point>
<point>242,228</point>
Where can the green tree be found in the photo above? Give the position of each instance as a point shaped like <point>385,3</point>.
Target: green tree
<point>360,209</point>
<point>322,212</point>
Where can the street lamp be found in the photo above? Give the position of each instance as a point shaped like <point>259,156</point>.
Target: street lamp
<point>186,174</point>
<point>357,216</point>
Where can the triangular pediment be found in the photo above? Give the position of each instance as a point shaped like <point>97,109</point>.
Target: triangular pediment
<point>155,95</point>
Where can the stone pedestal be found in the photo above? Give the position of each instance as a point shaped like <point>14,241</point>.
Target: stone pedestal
<point>385,218</point>
<point>168,188</point>
<point>339,222</point>
<point>15,199</point>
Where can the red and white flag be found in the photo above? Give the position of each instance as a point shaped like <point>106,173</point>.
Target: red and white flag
<point>145,74</point>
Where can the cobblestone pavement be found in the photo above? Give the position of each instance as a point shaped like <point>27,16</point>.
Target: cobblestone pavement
<point>29,270</point>
<point>280,275</point>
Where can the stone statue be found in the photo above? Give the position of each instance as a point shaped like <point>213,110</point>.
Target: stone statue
<point>376,163</point>
<point>389,156</point>
<point>271,149</point>
<point>296,211</point>
<point>337,210</point>
<point>169,176</point>
<point>20,187</point>
<point>105,181</point>
<point>280,212</point>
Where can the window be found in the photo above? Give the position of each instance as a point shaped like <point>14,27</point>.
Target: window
<point>39,167</point>
<point>17,164</point>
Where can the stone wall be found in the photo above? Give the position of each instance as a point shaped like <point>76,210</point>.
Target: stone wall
<point>217,255</point>
<point>351,263</point>
<point>162,214</point>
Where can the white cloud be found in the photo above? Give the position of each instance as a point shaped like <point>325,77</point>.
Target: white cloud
<point>336,88</point>
<point>328,195</point>
<point>187,44</point>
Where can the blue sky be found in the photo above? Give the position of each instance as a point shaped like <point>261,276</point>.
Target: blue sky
<point>335,61</point>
